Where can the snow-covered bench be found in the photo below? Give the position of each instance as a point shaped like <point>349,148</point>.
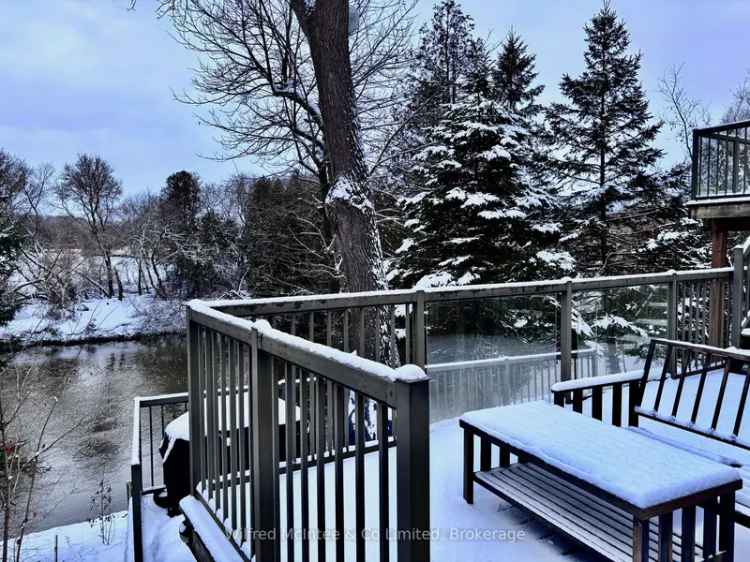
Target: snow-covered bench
<point>596,483</point>
<point>697,399</point>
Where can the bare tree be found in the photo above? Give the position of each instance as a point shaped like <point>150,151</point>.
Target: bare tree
<point>22,451</point>
<point>89,189</point>
<point>311,85</point>
<point>143,230</point>
<point>256,75</point>
<point>349,203</point>
<point>739,109</point>
<point>23,191</point>
<point>684,113</point>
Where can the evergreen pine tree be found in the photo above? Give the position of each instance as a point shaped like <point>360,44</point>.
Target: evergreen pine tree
<point>10,246</point>
<point>514,75</point>
<point>478,209</point>
<point>470,220</point>
<point>14,176</point>
<point>443,61</point>
<point>605,153</point>
<point>180,205</point>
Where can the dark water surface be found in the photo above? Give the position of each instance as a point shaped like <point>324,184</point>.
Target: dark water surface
<point>95,386</point>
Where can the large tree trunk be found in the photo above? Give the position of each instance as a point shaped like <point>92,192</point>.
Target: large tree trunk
<point>325,23</point>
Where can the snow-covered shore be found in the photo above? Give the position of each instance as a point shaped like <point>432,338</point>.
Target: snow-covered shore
<point>80,541</point>
<point>94,320</point>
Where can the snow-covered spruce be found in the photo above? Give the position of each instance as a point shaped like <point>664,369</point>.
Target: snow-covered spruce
<point>476,217</point>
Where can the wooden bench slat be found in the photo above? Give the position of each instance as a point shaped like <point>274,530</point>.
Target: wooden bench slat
<point>588,504</point>
<point>614,523</point>
<point>581,516</point>
<point>582,499</point>
<point>516,494</point>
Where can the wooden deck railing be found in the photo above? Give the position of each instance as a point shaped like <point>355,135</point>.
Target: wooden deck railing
<point>269,406</point>
<point>690,314</point>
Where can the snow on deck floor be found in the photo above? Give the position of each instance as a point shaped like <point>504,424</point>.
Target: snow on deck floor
<point>490,530</point>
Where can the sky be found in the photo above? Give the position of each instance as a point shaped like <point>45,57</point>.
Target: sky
<point>92,76</point>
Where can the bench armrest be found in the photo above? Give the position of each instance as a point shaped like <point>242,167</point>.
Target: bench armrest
<point>596,386</point>
<point>594,382</point>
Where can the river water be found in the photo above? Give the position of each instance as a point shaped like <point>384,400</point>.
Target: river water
<point>95,386</point>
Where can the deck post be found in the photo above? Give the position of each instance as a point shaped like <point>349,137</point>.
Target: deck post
<point>566,329</point>
<point>420,336</point>
<point>738,297</point>
<point>716,304</point>
<point>413,471</point>
<point>136,491</point>
<point>195,395</point>
<point>672,303</point>
<point>263,465</point>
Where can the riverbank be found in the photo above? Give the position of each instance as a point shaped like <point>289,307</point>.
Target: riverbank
<point>83,542</point>
<point>93,321</point>
<point>94,386</point>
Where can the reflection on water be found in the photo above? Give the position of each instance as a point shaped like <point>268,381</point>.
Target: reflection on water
<point>95,385</point>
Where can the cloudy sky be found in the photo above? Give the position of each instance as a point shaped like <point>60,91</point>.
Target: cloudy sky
<point>91,76</point>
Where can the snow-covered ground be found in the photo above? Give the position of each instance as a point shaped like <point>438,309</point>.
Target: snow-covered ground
<point>80,542</point>
<point>95,319</point>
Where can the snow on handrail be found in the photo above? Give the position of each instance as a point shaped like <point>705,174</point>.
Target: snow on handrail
<point>502,360</point>
<point>331,301</point>
<point>730,352</point>
<point>591,382</point>
<point>284,344</point>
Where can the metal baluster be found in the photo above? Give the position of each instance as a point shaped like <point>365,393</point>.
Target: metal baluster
<point>320,434</point>
<point>338,417</point>
<point>305,432</point>
<point>383,476</point>
<point>243,432</point>
<point>234,430</point>
<point>224,421</point>
<point>359,475</point>
<point>290,439</point>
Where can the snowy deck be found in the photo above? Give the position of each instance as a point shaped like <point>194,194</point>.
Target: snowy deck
<point>488,531</point>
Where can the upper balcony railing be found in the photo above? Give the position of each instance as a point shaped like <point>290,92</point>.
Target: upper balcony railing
<point>721,166</point>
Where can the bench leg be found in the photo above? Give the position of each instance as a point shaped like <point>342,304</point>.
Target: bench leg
<point>709,530</point>
<point>726,527</point>
<point>665,537</point>
<point>640,540</point>
<point>468,466</point>
<point>485,455</point>
<point>688,535</point>
<point>504,457</point>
